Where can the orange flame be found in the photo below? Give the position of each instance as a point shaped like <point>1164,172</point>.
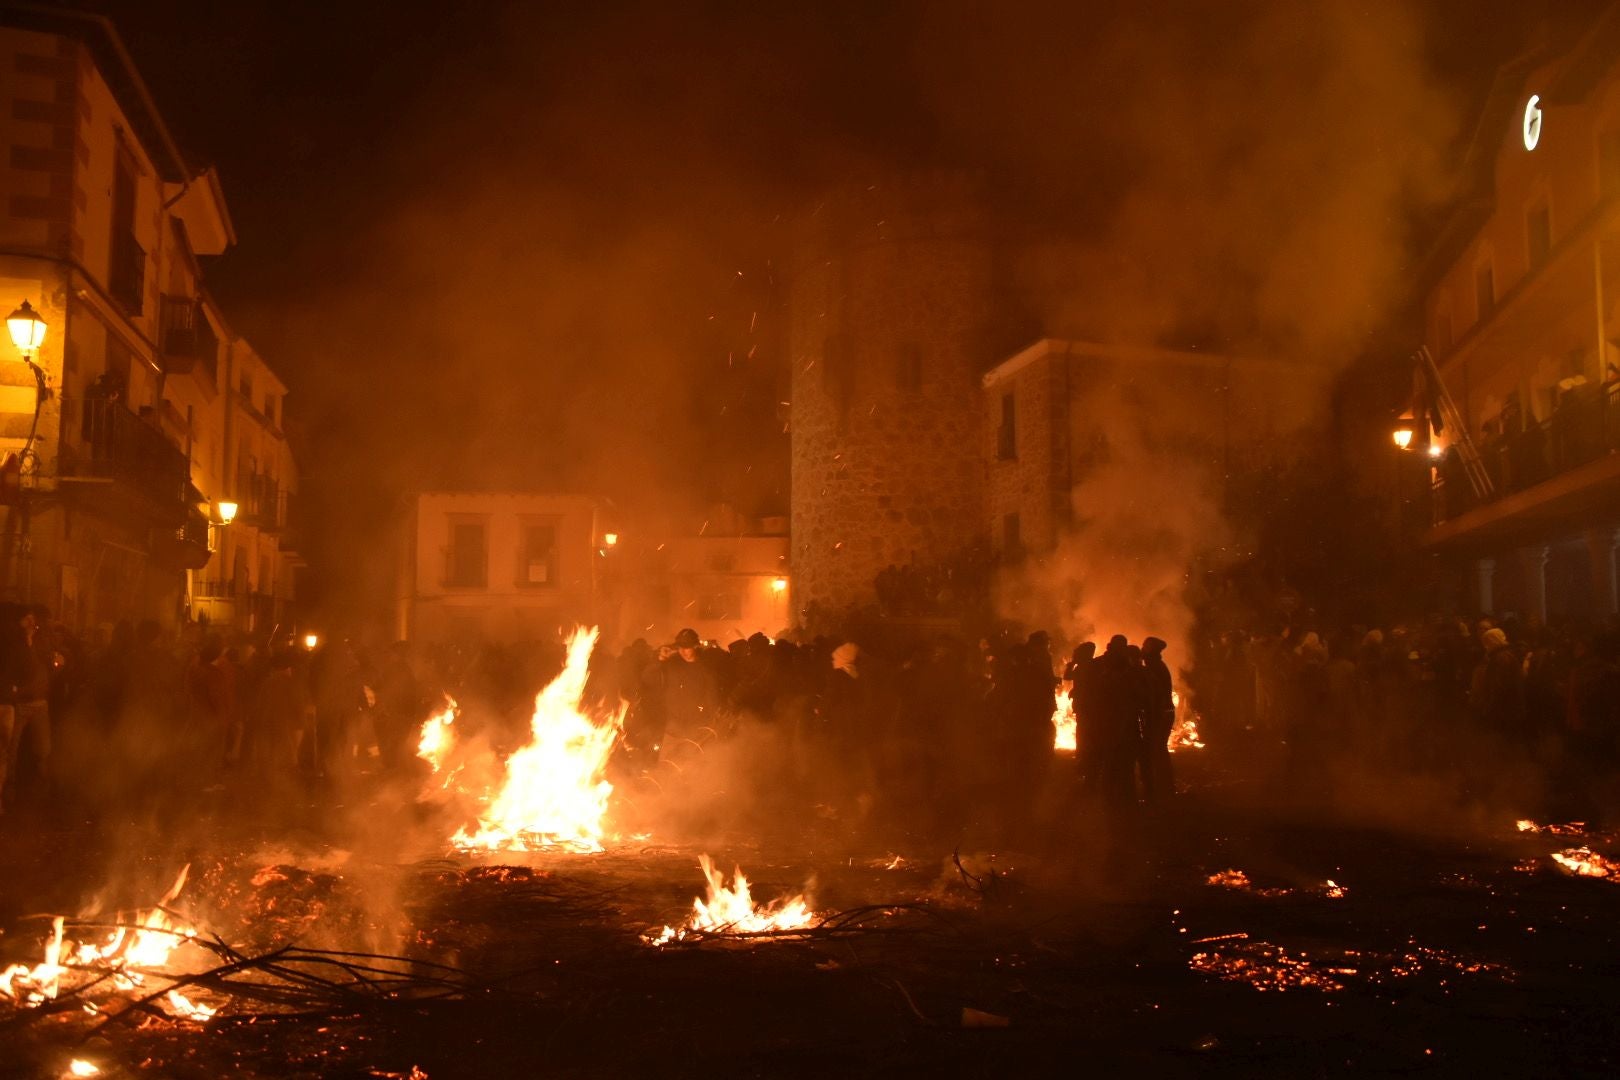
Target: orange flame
<point>731,910</point>
<point>124,955</point>
<point>1584,862</point>
<point>437,737</point>
<point>555,793</point>
<point>1064,727</point>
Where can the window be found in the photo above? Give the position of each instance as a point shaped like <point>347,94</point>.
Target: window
<point>1538,233</point>
<point>1012,540</point>
<point>537,560</point>
<point>270,408</point>
<point>1007,433</point>
<point>908,374</point>
<point>467,561</point>
<point>126,260</point>
<point>244,387</point>
<point>1485,290</point>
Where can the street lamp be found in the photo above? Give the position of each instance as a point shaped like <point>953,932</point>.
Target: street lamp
<point>610,539</point>
<point>1403,434</point>
<point>311,640</point>
<point>226,510</point>
<point>27,331</point>
<point>779,585</point>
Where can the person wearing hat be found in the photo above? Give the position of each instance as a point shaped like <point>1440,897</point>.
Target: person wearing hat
<point>691,696</point>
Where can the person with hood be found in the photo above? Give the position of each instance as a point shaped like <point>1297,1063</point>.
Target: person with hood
<point>1158,718</point>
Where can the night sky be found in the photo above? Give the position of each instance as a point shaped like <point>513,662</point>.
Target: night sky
<point>533,244</point>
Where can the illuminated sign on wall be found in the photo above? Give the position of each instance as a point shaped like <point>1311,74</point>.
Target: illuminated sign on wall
<point>1532,122</point>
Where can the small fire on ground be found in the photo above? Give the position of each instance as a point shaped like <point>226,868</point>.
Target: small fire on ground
<point>1581,861</point>
<point>729,910</point>
<point>1239,881</point>
<point>1584,862</point>
<point>136,948</point>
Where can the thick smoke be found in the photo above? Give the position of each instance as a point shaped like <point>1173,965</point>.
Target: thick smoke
<point>1271,162</point>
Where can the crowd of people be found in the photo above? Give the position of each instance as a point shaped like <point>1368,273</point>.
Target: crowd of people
<point>1506,709</point>
<point>936,731</point>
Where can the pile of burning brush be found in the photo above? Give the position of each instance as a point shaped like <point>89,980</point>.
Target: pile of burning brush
<point>1580,861</point>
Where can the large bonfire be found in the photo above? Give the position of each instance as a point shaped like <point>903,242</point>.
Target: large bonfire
<point>555,791</point>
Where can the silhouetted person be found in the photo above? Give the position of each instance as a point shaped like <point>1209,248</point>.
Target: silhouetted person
<point>1158,718</point>
<point>1118,705</point>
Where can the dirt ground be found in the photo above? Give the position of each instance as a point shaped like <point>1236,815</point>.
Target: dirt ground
<point>1343,948</point>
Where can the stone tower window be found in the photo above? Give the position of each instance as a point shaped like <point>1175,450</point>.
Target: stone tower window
<point>1007,433</point>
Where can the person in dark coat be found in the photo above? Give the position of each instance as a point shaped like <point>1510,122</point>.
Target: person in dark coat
<point>1158,717</point>
<point>1118,709</point>
<point>690,695</point>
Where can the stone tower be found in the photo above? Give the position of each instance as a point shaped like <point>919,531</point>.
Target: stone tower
<point>890,306</point>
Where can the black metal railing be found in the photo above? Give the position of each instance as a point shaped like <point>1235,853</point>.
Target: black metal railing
<point>187,337</point>
<point>1584,427</point>
<point>264,503</point>
<point>124,448</point>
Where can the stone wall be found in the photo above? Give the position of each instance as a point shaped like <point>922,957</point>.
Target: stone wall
<point>889,311</point>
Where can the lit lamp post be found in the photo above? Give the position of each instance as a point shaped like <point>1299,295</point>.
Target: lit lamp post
<point>1402,435</point>
<point>27,331</point>
<point>28,334</point>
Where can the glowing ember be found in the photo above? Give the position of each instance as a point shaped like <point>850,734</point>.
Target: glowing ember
<point>731,910</point>
<point>1063,723</point>
<point>1584,862</point>
<point>1265,967</point>
<point>1228,879</point>
<point>437,738</point>
<point>556,792</point>
<point>185,1009</point>
<point>1568,828</point>
<point>1238,880</point>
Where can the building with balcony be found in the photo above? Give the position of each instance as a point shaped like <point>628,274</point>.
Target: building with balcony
<point>251,583</point>
<point>114,474</point>
<point>1522,325</point>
